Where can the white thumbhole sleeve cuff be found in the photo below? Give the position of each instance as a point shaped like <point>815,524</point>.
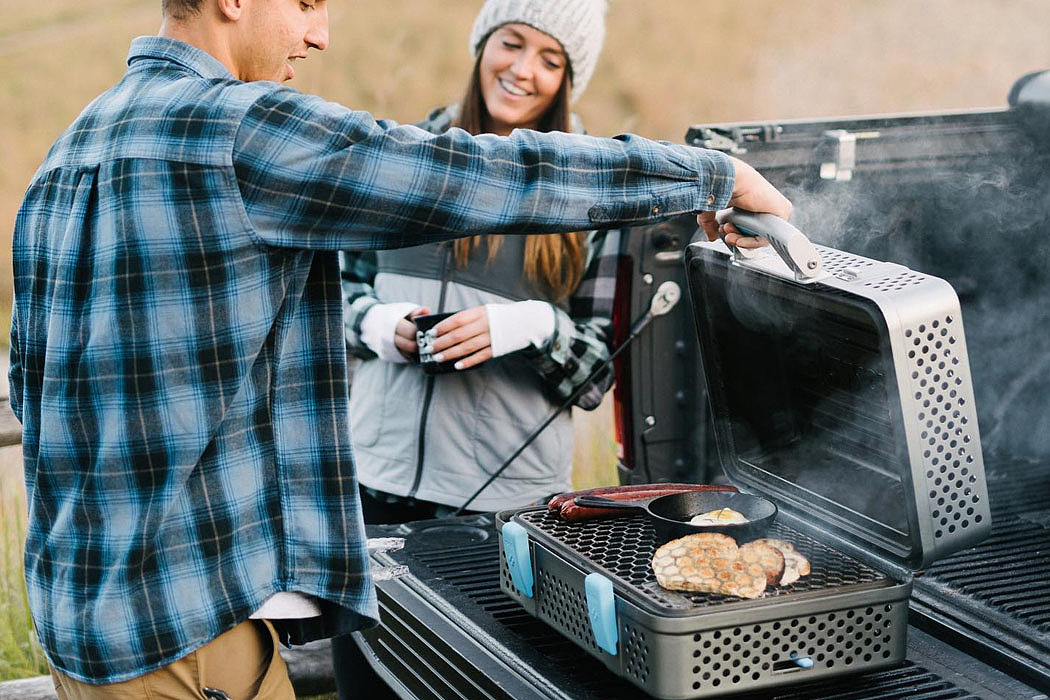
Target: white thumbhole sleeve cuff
<point>377,329</point>
<point>515,326</point>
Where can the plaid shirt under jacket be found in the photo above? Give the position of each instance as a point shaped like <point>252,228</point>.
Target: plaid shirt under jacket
<point>178,361</point>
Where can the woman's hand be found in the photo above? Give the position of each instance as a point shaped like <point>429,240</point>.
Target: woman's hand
<point>405,334</point>
<point>464,337</point>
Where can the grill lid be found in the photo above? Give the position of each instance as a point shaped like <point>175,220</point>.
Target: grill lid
<point>846,400</point>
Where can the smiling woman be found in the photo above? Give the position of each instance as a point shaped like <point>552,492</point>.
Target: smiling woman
<point>521,72</point>
<point>529,317</point>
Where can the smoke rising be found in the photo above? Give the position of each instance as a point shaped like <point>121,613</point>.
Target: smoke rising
<point>980,220</point>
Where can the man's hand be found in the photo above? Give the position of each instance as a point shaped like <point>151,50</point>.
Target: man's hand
<point>752,192</point>
<point>464,337</point>
<point>405,334</point>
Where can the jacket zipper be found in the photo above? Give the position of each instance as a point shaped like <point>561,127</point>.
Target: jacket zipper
<point>428,390</point>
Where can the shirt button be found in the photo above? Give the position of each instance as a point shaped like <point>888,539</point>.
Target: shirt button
<point>656,210</point>
<point>710,200</point>
<point>557,346</point>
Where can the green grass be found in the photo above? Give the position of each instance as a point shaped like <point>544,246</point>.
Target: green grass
<point>20,655</point>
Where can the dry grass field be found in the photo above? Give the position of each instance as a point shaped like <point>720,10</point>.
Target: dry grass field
<point>667,63</point>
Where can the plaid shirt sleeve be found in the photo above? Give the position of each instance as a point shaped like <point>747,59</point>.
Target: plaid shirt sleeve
<point>582,338</point>
<point>317,175</point>
<point>357,273</point>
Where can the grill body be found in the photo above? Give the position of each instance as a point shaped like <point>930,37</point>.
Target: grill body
<point>448,631</point>
<point>848,402</point>
<point>847,616</point>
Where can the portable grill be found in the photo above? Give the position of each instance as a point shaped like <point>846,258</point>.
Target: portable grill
<point>448,632</point>
<point>841,390</point>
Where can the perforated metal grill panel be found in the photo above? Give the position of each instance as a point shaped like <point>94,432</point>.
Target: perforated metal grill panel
<point>896,282</point>
<point>560,600</point>
<point>834,261</point>
<point>635,653</point>
<point>729,658</point>
<point>943,406</point>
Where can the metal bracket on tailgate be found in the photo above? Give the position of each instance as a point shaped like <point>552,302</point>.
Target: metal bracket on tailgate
<point>732,139</point>
<point>844,145</point>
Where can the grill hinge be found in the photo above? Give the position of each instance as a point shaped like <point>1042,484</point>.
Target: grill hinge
<point>733,139</point>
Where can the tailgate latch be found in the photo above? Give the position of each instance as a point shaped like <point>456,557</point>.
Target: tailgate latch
<point>601,611</point>
<point>844,157</point>
<point>519,560</point>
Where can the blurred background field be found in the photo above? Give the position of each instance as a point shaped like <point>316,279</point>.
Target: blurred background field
<point>667,64</point>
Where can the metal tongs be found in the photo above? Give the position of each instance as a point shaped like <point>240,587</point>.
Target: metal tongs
<point>791,245</point>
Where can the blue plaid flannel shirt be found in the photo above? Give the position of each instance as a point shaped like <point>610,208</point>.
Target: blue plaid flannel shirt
<point>177,344</point>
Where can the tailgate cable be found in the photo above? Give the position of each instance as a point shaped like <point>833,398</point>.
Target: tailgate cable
<point>666,297</point>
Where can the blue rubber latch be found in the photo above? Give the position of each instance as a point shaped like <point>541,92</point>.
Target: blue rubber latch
<point>519,562</point>
<point>802,661</point>
<point>601,610</point>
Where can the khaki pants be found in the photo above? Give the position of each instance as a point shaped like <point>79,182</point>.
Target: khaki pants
<point>244,663</point>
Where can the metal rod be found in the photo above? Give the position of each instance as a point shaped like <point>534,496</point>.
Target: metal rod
<point>665,299</point>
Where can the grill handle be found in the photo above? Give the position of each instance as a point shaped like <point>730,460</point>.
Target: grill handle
<point>797,252</point>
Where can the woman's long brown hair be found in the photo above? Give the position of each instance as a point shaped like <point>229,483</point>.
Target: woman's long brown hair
<point>556,260</point>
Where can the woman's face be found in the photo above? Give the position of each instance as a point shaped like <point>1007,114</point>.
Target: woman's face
<point>521,71</point>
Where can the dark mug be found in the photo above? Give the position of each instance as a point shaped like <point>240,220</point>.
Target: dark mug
<point>425,337</point>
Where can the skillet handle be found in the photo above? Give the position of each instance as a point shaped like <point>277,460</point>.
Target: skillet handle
<point>599,502</point>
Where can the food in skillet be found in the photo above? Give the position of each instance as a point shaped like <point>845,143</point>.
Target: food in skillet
<point>721,516</point>
<point>713,563</point>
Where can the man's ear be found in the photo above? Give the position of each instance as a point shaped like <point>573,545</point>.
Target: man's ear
<point>231,9</point>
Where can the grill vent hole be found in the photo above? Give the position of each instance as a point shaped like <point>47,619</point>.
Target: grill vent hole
<point>897,282</point>
<point>636,653</point>
<point>560,601</point>
<point>947,433</point>
<point>766,651</point>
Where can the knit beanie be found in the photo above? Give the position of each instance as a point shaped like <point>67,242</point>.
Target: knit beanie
<point>578,25</point>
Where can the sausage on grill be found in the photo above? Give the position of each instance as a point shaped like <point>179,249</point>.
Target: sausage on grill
<point>563,503</point>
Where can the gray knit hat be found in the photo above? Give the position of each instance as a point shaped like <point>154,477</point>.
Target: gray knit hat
<point>578,25</point>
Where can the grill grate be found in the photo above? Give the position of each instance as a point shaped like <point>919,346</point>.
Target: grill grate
<point>1008,571</point>
<point>624,547</point>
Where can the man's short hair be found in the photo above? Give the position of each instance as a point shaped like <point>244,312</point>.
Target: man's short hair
<point>180,9</point>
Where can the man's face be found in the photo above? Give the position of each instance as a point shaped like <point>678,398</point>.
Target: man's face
<point>277,32</point>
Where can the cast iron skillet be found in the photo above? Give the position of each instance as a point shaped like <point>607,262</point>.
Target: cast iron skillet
<point>670,514</point>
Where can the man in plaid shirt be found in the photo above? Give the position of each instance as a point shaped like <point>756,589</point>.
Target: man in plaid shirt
<point>177,348</point>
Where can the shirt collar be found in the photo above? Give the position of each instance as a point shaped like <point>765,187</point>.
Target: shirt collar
<point>190,57</point>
